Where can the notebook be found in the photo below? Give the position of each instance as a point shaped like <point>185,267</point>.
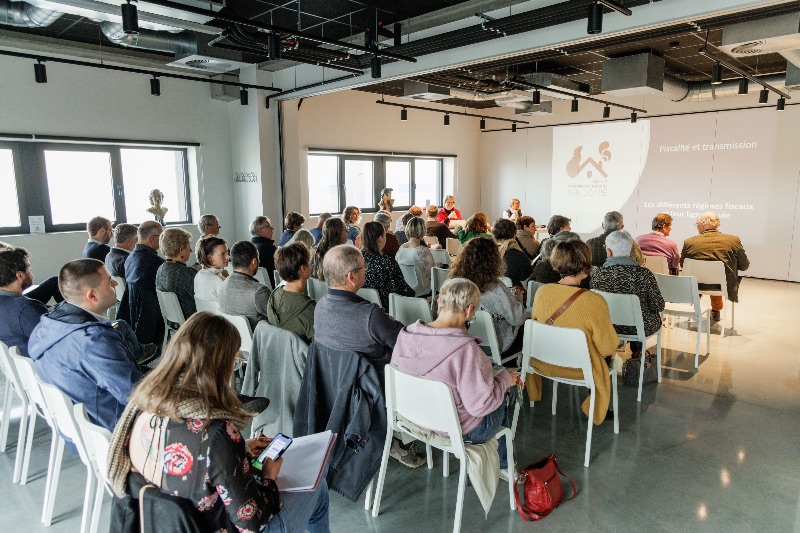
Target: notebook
<point>304,462</point>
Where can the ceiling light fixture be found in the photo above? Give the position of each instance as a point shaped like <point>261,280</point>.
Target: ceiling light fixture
<point>781,104</point>
<point>404,114</point>
<point>155,86</point>
<point>130,19</point>
<point>606,112</point>
<point>40,72</point>
<point>483,123</point>
<point>744,85</point>
<point>376,67</point>
<point>243,96</point>
<point>763,96</point>
<point>633,117</point>
<point>447,119</point>
<point>716,74</point>
<point>513,127</point>
<point>574,105</point>
<point>537,97</point>
<point>274,45</point>
<point>595,20</point>
<point>484,118</point>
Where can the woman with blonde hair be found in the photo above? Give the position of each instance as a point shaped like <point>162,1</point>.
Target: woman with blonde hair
<point>352,219</point>
<point>174,276</point>
<point>334,233</point>
<point>304,236</point>
<point>416,254</point>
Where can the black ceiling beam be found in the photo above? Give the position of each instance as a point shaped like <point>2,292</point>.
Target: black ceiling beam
<point>276,29</point>
<point>446,112</point>
<point>309,86</point>
<point>572,95</point>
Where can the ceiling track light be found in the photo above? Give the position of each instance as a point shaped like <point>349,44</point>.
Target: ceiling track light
<point>130,19</point>
<point>483,123</point>
<point>763,96</point>
<point>40,72</point>
<point>634,116</point>
<point>595,19</point>
<point>274,45</point>
<point>243,97</point>
<point>513,127</point>
<point>574,108</point>
<point>376,67</point>
<point>155,86</point>
<point>405,107</point>
<point>716,74</point>
<point>404,114</point>
<point>447,119</point>
<point>744,85</point>
<point>537,97</point>
<point>606,112</point>
<point>781,104</point>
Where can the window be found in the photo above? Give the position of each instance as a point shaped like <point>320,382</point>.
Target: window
<point>70,183</point>
<point>337,180</point>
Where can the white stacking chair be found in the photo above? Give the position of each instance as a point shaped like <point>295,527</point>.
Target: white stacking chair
<point>683,299</point>
<point>626,310</point>
<point>431,240</point>
<point>13,388</point>
<point>506,281</point>
<point>438,277</point>
<point>565,347</point>
<point>711,273</point>
<point>430,404</point>
<point>441,257</point>
<point>370,295</point>
<point>61,413</point>
<point>278,279</point>
<point>657,264</point>
<point>263,277</point>
<point>483,327</point>
<point>409,275</point>
<point>212,306</point>
<point>245,332</point>
<point>317,289</point>
<point>453,246</point>
<point>171,312</point>
<point>97,441</point>
<point>408,310</point>
<point>533,286</point>
<point>120,288</point>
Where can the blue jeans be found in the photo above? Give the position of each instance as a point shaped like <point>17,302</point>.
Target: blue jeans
<point>302,511</point>
<point>488,428</point>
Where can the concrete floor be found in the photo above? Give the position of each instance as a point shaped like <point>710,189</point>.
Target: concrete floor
<point>712,449</point>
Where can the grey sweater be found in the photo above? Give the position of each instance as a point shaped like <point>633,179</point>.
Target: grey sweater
<point>508,314</point>
<point>243,295</point>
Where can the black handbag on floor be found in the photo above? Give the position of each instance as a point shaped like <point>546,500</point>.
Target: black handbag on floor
<point>630,369</point>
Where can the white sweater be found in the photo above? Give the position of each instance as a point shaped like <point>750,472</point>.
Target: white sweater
<point>207,283</point>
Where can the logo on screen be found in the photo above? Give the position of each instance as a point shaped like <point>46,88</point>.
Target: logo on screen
<point>575,166</point>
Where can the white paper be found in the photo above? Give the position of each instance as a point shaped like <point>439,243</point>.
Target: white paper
<point>303,461</point>
<point>36,224</point>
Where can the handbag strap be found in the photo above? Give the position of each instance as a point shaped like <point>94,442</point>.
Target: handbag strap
<point>552,318</point>
<point>144,488</point>
<point>574,488</point>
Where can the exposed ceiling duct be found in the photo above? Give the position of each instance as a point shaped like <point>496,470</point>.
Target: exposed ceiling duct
<point>180,44</point>
<point>414,90</point>
<point>22,14</point>
<point>765,36</point>
<point>559,84</point>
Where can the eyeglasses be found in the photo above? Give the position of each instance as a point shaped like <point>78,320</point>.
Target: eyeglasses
<point>266,227</point>
<point>359,268</point>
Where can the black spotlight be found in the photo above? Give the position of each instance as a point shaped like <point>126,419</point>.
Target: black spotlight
<point>155,86</point>
<point>537,97</point>
<point>763,96</point>
<point>781,104</point>
<point>376,67</point>
<point>404,114</point>
<point>130,19</point>
<point>513,127</point>
<point>744,85</point>
<point>274,46</point>
<point>483,123</point>
<point>633,117</point>
<point>40,72</point>
<point>606,112</point>
<point>716,74</point>
<point>447,119</point>
<point>243,96</point>
<point>574,105</point>
<point>595,24</point>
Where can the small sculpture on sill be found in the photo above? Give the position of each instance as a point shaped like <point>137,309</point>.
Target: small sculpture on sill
<point>386,201</point>
<point>156,209</point>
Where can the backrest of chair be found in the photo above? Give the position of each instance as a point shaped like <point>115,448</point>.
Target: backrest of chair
<point>657,264</point>
<point>555,345</point>
<point>425,402</point>
<point>96,439</point>
<point>317,288</point>
<point>409,275</point>
<point>120,288</point>
<point>370,295</point>
<point>506,281</point>
<point>482,326</point>
<point>212,306</point>
<point>408,310</point>
<point>440,257</point>
<point>431,240</point>
<point>170,307</point>
<point>262,277</point>
<point>278,279</point>
<point>243,327</point>
<point>9,369</point>
<point>533,286</point>
<point>624,310</point>
<point>707,272</point>
<point>27,377</point>
<point>61,413</point>
<point>438,277</point>
<point>453,246</point>
<point>678,289</point>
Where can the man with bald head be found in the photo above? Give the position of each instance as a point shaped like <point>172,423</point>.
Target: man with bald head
<point>712,245</point>
<point>140,304</point>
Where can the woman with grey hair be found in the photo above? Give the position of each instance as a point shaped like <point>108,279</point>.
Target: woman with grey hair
<point>392,242</point>
<point>416,254</point>
<point>174,276</point>
<point>303,236</point>
<point>444,351</point>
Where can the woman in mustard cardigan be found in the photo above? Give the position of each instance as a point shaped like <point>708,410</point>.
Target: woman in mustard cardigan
<point>589,312</point>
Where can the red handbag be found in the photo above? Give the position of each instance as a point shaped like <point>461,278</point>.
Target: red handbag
<point>541,486</point>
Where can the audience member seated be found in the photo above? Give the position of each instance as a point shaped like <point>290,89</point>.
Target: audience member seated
<point>588,312</point>
<point>317,231</point>
<point>392,242</point>
<point>481,263</point>
<point>289,307</point>
<point>383,272</point>
<point>518,266</point>
<point>292,223</point>
<point>713,245</point>
<point>79,351</point>
<point>449,211</point>
<point>45,290</point>
<point>443,350</point>
<point>213,255</point>
<point>174,275</point>
<point>621,274</point>
<point>302,236</point>
<point>415,253</point>
<point>514,212</point>
<point>612,221</point>
<point>352,219</point>
<point>99,230</point>
<point>401,233</point>
<point>186,411</point>
<point>526,236</point>
<point>208,226</point>
<point>544,272</point>
<point>242,294</point>
<point>125,237</point>
<point>334,233</point>
<point>476,226</point>
<point>557,224</point>
<point>656,242</point>
<point>261,230</point>
<point>434,228</point>
<point>140,303</point>
<point>18,314</point>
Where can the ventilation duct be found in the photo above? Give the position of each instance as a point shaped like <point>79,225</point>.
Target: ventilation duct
<point>703,91</point>
<point>180,44</point>
<point>22,14</point>
<point>415,90</point>
<point>544,108</point>
<point>548,80</point>
<point>766,36</point>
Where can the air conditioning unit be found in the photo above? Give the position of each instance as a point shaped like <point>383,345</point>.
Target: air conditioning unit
<point>424,92</point>
<point>765,36</point>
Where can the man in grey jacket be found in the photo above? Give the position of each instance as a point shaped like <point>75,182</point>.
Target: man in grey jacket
<point>242,294</point>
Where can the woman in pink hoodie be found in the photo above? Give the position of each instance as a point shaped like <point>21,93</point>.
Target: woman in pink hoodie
<point>445,351</point>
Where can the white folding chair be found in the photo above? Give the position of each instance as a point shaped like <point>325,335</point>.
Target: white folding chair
<point>625,310</point>
<point>409,275</point>
<point>565,347</point>
<point>453,246</point>
<point>683,299</point>
<point>370,295</point>
<point>441,257</point>
<point>171,312</point>
<point>212,306</point>
<point>243,327</point>
<point>711,273</point>
<point>506,281</point>
<point>430,404</point>
<point>278,279</point>
<point>483,327</point>
<point>431,240</point>
<point>120,288</point>
<point>97,441</point>
<point>263,277</point>
<point>317,289</point>
<point>13,387</point>
<point>408,310</point>
<point>438,277</point>
<point>61,413</point>
<point>657,264</point>
<point>533,286</point>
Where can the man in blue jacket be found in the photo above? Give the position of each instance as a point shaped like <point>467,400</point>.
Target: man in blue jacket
<point>79,351</point>
<point>18,314</point>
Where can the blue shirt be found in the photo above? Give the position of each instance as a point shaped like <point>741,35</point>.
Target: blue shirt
<point>18,316</point>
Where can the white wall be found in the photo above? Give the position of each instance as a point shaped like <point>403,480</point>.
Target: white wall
<point>87,102</point>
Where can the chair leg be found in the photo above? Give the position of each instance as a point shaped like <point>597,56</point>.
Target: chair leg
<point>368,498</point>
<point>615,401</point>
<point>8,399</point>
<point>708,334</point>
<point>511,472</point>
<point>91,481</point>
<point>48,486</point>
<point>733,314</point>
<point>642,360</point>
<point>462,482</point>
<point>382,472</point>
<point>445,464</point>
<point>555,396</point>
<point>28,445</point>
<point>697,344</point>
<point>50,502</point>
<point>722,322</point>
<point>98,506</point>
<point>23,426</point>
<point>514,419</point>
<point>589,428</point>
<point>429,456</point>
<point>658,354</point>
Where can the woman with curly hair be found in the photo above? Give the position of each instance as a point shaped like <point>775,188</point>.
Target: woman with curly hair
<point>334,233</point>
<point>292,223</point>
<point>481,263</point>
<point>383,272</point>
<point>476,226</point>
